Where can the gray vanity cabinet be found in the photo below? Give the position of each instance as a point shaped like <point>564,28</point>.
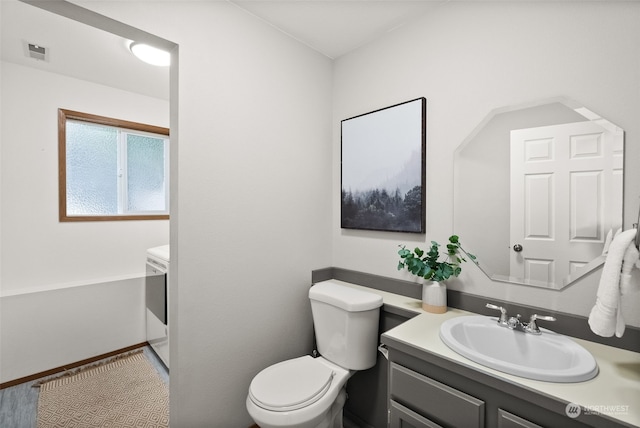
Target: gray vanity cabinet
<point>403,417</point>
<point>428,391</point>
<point>435,400</point>
<point>507,420</point>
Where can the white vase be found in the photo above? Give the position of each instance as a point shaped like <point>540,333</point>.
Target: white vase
<point>434,297</point>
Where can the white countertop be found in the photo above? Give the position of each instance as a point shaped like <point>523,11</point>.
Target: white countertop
<point>614,392</point>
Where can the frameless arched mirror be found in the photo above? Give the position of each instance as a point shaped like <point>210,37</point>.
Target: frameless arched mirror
<point>538,191</point>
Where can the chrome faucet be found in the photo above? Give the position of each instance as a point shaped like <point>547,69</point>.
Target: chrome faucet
<point>532,326</point>
<point>514,323</point>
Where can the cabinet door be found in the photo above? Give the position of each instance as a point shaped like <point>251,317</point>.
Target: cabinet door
<point>401,417</point>
<point>509,420</point>
<point>434,399</point>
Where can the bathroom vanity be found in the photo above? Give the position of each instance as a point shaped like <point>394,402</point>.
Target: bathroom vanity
<point>429,385</point>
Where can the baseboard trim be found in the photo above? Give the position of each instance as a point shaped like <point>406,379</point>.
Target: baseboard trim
<point>61,369</point>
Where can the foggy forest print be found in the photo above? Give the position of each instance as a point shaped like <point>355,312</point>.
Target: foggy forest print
<point>382,169</point>
<point>378,210</point>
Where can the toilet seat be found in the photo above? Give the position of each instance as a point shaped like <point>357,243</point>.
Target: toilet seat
<point>291,384</point>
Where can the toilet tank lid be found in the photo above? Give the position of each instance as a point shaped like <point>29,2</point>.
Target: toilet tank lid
<point>344,297</point>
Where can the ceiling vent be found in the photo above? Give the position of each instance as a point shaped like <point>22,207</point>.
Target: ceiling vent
<point>37,52</point>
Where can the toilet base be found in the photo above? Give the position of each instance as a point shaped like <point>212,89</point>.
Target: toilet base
<point>337,415</point>
<point>331,419</point>
<point>334,415</point>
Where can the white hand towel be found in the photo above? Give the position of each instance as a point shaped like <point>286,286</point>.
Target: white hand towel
<point>630,259</point>
<point>605,318</point>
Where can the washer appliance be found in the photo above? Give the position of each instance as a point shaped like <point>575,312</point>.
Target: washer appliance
<point>157,301</point>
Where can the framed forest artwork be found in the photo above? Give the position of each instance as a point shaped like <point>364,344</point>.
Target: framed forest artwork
<point>383,169</point>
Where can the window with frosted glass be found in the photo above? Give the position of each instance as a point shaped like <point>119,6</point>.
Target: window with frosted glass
<point>92,169</point>
<point>112,169</point>
<point>146,178</point>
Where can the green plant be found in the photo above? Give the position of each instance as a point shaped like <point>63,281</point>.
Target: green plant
<point>427,266</point>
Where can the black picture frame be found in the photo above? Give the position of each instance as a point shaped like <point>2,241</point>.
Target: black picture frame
<point>383,169</point>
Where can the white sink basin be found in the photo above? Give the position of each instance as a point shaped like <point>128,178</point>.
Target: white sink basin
<point>549,356</point>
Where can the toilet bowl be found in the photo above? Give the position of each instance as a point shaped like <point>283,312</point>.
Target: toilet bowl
<point>303,392</point>
<point>307,392</point>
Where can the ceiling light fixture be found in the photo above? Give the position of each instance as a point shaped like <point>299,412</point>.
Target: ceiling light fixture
<point>150,55</point>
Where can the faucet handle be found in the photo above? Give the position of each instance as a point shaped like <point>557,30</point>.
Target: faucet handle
<point>503,312</point>
<point>541,317</point>
<point>532,327</point>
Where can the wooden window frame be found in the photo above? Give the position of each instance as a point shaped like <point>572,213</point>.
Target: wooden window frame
<point>63,116</point>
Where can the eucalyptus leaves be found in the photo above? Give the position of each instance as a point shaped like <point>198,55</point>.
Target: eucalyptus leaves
<point>427,266</point>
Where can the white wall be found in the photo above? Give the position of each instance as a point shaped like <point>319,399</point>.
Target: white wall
<point>253,202</point>
<point>37,250</point>
<point>50,329</point>
<point>251,218</point>
<point>45,262</point>
<point>468,59</point>
<point>1,111</point>
<point>254,192</point>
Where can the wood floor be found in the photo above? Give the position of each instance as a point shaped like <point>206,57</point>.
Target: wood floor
<point>19,404</point>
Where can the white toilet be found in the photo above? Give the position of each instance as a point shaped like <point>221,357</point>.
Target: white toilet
<point>308,392</point>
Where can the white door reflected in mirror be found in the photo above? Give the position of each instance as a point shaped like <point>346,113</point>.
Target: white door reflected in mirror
<point>561,167</point>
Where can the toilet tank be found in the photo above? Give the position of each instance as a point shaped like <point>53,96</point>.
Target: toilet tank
<point>346,324</point>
